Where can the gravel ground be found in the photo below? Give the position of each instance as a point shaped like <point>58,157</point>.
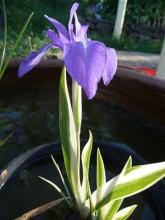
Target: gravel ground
<point>138,59</point>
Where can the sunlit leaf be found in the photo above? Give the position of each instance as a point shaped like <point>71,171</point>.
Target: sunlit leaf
<point>109,210</point>
<point>100,175</point>
<point>135,180</point>
<point>77,115</point>
<point>124,213</point>
<point>85,157</point>
<point>100,178</point>
<point>60,173</point>
<point>54,186</point>
<point>68,137</point>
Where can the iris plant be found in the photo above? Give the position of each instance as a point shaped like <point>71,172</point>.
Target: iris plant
<point>88,62</point>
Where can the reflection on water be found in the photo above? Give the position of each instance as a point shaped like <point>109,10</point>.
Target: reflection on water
<point>32,116</point>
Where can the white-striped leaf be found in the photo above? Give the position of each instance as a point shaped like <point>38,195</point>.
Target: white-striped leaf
<point>77,115</point>
<point>124,213</point>
<point>68,137</point>
<point>135,180</point>
<point>110,209</point>
<point>60,173</point>
<point>85,157</point>
<point>100,178</point>
<point>89,196</point>
<point>100,172</point>
<point>57,188</point>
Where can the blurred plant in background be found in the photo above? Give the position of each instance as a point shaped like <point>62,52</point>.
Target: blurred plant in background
<point>147,12</point>
<point>138,12</point>
<point>4,61</point>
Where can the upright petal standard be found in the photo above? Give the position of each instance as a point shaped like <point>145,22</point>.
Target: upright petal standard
<point>86,61</point>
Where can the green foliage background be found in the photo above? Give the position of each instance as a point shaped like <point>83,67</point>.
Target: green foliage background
<point>148,12</point>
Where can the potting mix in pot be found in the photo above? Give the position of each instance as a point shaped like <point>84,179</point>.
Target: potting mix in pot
<point>87,62</point>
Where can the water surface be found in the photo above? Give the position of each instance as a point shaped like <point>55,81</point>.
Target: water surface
<point>32,116</point>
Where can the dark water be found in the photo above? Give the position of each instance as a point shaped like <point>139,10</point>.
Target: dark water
<point>32,117</point>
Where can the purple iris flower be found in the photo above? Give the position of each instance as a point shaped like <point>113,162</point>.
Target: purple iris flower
<point>86,61</point>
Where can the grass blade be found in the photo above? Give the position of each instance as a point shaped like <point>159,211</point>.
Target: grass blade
<point>6,139</point>
<point>5,35</point>
<point>15,45</point>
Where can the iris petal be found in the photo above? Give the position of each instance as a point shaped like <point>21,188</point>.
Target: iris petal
<point>54,37</point>
<point>77,23</point>
<point>82,33</point>
<point>63,33</point>
<point>72,12</point>
<point>111,66</point>
<point>32,60</point>
<point>85,62</point>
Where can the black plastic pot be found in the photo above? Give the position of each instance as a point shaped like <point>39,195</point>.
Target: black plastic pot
<point>151,207</point>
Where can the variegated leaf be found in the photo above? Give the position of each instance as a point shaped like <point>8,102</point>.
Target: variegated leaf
<point>135,180</point>
<point>124,213</point>
<point>85,157</point>
<point>68,137</point>
<point>110,209</point>
<point>100,175</point>
<point>100,178</point>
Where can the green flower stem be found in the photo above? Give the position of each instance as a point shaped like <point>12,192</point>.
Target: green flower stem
<point>77,105</point>
<point>77,112</point>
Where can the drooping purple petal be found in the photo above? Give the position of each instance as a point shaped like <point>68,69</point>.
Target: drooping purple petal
<point>55,38</point>
<point>85,62</point>
<point>63,33</point>
<point>32,60</point>
<point>111,66</point>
